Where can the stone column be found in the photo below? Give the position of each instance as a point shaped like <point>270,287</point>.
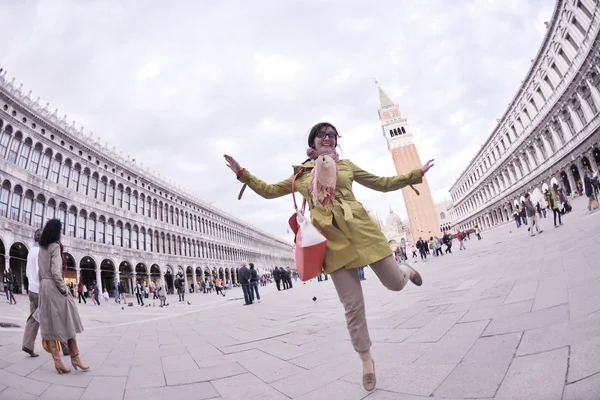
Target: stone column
<point>538,152</point>
<point>546,145</point>
<point>595,93</point>
<point>555,138</point>
<point>565,129</point>
<point>587,111</point>
<point>99,280</point>
<point>512,176</point>
<point>507,178</point>
<point>577,123</point>
<point>532,162</point>
<point>571,179</point>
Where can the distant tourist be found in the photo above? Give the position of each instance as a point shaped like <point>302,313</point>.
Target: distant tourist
<point>532,215</point>
<point>32,270</point>
<point>277,277</point>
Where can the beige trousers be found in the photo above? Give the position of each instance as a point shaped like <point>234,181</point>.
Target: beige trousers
<point>31,326</point>
<point>349,289</point>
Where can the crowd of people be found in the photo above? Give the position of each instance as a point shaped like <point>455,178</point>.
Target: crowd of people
<point>433,246</point>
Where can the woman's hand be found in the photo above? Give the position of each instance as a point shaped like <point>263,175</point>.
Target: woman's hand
<point>232,164</point>
<point>426,167</point>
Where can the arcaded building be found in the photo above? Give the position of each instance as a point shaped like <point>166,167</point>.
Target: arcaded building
<point>549,134</point>
<point>120,222</point>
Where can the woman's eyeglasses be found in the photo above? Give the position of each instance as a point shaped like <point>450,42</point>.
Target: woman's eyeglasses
<point>323,135</point>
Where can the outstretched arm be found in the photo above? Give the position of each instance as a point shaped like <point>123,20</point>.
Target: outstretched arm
<point>261,188</point>
<point>56,269</point>
<point>387,184</point>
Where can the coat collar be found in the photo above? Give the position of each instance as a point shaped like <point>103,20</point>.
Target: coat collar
<point>309,165</point>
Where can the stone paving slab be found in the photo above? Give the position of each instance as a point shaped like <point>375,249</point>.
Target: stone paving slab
<point>511,317</point>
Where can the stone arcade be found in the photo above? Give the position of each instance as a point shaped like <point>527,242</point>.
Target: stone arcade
<point>120,221</point>
<point>551,129</point>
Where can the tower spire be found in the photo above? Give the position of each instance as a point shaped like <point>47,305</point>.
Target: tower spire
<point>384,99</point>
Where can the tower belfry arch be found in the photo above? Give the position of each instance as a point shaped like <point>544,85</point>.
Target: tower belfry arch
<point>422,217</point>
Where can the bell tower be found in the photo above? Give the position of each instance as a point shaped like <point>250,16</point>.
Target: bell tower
<point>422,217</point>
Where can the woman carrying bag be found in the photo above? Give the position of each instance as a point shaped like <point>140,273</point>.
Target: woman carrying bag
<point>353,238</point>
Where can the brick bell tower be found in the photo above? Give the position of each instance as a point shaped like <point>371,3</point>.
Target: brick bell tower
<point>422,217</point>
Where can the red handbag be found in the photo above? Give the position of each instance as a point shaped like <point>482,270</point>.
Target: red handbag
<point>309,250</point>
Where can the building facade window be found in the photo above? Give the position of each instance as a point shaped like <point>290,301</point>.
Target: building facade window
<point>4,196</point>
<point>35,159</point>
<point>54,170</point>
<point>25,151</point>
<point>91,227</point>
<point>4,140</point>
<point>45,165</point>
<point>15,206</point>
<point>64,176</point>
<point>74,185</point>
<point>27,207</point>
<point>82,225</point>
<point>38,215</point>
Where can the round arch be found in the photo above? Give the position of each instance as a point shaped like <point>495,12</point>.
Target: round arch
<point>141,274</point>
<point>155,275</point>
<point>169,280</point>
<point>199,274</point>
<point>17,261</point>
<point>87,272</point>
<point>107,274</point>
<point>70,274</point>
<point>189,278</point>
<point>126,276</point>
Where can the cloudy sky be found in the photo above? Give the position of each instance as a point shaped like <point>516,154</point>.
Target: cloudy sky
<point>176,84</point>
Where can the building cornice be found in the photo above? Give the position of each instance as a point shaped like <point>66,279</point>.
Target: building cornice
<point>50,122</point>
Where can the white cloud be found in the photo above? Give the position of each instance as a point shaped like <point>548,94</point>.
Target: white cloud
<point>177,85</point>
<point>276,68</point>
<point>149,70</point>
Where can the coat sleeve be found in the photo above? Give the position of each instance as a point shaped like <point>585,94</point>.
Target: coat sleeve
<point>383,184</point>
<point>56,269</point>
<point>264,189</point>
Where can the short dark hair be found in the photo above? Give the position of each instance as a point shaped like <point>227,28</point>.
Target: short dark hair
<point>526,195</point>
<point>317,128</point>
<point>51,233</point>
<point>251,265</point>
<point>37,235</point>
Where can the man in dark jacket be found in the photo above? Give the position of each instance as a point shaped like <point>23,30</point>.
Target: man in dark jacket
<point>422,246</point>
<point>589,189</point>
<point>288,276</point>
<point>245,276</point>
<point>179,285</point>
<point>254,282</point>
<point>277,277</point>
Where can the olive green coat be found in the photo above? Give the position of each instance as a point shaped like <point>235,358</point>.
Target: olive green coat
<point>353,238</point>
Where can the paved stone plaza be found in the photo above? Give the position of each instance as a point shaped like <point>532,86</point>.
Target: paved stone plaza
<point>512,317</point>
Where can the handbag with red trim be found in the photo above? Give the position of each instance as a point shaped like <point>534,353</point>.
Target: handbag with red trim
<point>309,250</point>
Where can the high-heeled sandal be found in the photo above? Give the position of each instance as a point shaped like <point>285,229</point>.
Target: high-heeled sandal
<point>369,380</point>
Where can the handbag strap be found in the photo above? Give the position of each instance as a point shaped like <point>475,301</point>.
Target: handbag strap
<point>294,192</point>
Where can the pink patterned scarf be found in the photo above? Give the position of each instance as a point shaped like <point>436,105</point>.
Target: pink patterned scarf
<point>324,176</point>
